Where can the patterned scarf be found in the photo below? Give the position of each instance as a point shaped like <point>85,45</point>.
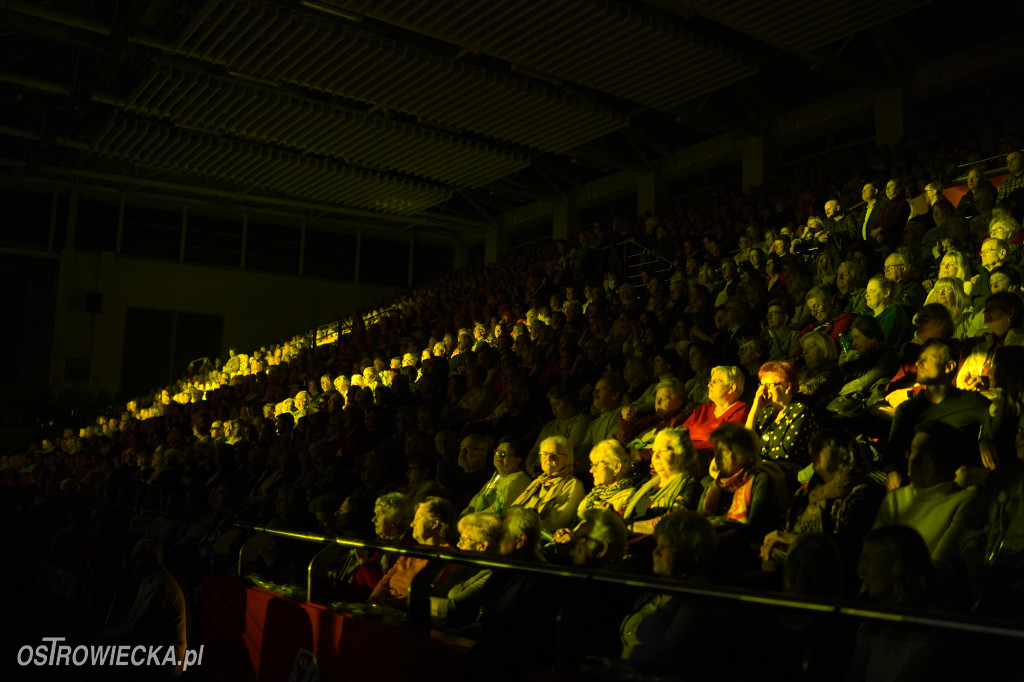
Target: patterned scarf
<point>541,488</point>
<point>741,485</point>
<point>815,517</point>
<point>603,493</point>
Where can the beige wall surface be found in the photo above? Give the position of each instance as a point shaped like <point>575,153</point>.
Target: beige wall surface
<point>258,308</point>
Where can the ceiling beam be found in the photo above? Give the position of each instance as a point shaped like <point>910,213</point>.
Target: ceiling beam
<point>468,196</point>
<point>604,159</point>
<point>424,218</point>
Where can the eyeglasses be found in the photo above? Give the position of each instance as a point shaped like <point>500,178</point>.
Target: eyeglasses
<point>944,290</point>
<point>504,455</point>
<point>552,455</point>
<point>772,385</point>
<point>774,313</point>
<point>894,266</point>
<point>595,465</point>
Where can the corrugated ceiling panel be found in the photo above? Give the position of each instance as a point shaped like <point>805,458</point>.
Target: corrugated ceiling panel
<point>390,75</point>
<point>802,24</point>
<point>223,107</point>
<point>601,44</point>
<point>249,168</point>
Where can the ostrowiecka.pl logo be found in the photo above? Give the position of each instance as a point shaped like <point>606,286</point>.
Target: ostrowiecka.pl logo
<point>51,653</point>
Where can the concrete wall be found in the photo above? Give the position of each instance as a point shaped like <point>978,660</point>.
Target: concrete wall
<point>258,308</point>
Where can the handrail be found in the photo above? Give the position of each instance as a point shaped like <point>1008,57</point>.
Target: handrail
<point>990,158</point>
<point>946,620</point>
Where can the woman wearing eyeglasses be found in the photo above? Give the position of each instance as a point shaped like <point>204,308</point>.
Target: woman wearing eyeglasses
<point>506,484</point>
<point>610,467</point>
<point>783,426</point>
<point>555,494</point>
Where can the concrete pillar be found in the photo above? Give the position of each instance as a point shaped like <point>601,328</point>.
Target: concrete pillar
<point>753,162</point>
<point>491,246</point>
<point>461,254</point>
<point>650,193</point>
<point>889,116</point>
<point>566,220</point>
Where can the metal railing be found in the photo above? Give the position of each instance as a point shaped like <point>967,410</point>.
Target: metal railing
<point>418,600</point>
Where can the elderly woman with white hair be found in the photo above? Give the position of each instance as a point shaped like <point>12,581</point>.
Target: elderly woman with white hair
<point>479,533</point>
<point>675,484</point>
<point>555,494</point>
<point>724,405</point>
<point>610,467</point>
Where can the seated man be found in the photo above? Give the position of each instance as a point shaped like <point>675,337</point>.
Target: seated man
<point>851,286</point>
<point>608,394</point>
<point>909,292</point>
<point>939,401</point>
<point>638,434</point>
<point>932,504</point>
<point>994,252</point>
<point>157,617</point>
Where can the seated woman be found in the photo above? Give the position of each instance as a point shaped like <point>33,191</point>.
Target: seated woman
<point>740,497</point>
<point>880,297</point>
<point>867,368</point>
<point>953,264</point>
<point>362,570</point>
<point>421,476</point>
<point>432,526</point>
<point>949,291</point>
<point>783,426</point>
<point>820,377</point>
<point>506,484</point>
<point>724,390</point>
<point>897,573</point>
<point>610,466</point>
<point>555,494</point>
<point>675,484</point>
<point>840,501</point>
<point>480,533</point>
<point>568,422</point>
<point>667,633</point>
<point>700,355</point>
<point>775,279</point>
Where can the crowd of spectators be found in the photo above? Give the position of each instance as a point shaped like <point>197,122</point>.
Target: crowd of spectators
<point>793,395</point>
